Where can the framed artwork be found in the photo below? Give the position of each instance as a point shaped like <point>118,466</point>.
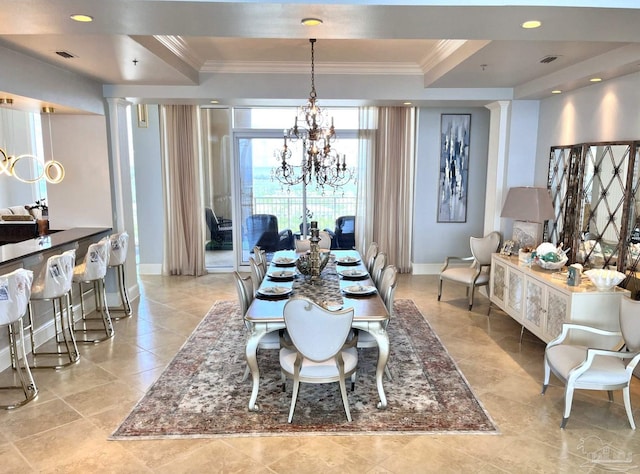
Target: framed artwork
<point>507,247</point>
<point>455,130</point>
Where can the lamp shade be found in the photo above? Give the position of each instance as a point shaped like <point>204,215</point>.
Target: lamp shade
<point>528,204</point>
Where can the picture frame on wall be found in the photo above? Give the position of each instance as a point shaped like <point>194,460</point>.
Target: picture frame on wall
<point>455,138</point>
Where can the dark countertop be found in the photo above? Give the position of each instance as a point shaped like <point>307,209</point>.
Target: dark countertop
<point>12,252</point>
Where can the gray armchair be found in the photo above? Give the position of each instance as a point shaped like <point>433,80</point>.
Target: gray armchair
<point>262,231</point>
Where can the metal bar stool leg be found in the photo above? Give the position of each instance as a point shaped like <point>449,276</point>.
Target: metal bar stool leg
<point>27,382</point>
<point>99,295</point>
<point>64,337</point>
<point>125,307</point>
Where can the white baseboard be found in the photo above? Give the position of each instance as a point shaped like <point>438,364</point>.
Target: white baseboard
<point>433,268</point>
<point>150,269</point>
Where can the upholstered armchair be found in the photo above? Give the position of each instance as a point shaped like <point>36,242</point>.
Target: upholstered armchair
<point>262,231</point>
<point>593,362</point>
<point>343,236</point>
<point>220,231</point>
<point>477,273</point>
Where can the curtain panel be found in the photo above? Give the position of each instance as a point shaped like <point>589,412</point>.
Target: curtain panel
<point>182,186</point>
<point>394,161</point>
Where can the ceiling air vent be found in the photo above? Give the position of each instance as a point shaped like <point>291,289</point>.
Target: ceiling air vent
<point>65,54</point>
<point>548,59</point>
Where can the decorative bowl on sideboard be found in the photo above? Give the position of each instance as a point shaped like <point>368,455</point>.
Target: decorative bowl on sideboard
<point>604,280</point>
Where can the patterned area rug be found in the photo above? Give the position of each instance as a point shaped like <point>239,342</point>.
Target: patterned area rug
<point>201,393</point>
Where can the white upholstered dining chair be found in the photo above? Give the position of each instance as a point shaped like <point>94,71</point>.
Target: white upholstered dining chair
<point>244,287</point>
<point>388,283</point>
<point>379,264</point>
<point>477,273</point>
<point>260,256</point>
<point>257,275</point>
<point>302,245</point>
<point>370,256</point>
<point>583,366</point>
<point>318,354</point>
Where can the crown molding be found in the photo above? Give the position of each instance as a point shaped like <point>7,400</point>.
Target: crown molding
<point>179,47</point>
<point>288,67</point>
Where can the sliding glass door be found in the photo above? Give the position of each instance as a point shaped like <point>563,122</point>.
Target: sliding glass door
<point>218,189</point>
<point>271,213</point>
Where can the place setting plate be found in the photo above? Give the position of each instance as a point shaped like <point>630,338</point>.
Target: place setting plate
<point>353,274</point>
<point>284,262</point>
<point>360,290</point>
<point>347,261</point>
<point>275,292</point>
<point>282,275</point>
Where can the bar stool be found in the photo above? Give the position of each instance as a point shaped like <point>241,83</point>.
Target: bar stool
<point>117,257</point>
<point>92,271</point>
<point>54,284</point>
<point>15,290</point>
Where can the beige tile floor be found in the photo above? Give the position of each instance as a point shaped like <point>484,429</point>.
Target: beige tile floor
<point>66,428</point>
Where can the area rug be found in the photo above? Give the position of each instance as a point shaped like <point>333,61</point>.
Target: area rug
<point>201,392</point>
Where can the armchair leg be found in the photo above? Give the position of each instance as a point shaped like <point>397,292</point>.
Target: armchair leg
<point>568,400</point>
<point>470,292</point>
<point>627,406</point>
<point>547,375</point>
<point>610,393</point>
<point>439,289</point>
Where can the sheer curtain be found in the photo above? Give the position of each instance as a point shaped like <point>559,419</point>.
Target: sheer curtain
<point>393,189</point>
<point>184,212</point>
<point>368,122</point>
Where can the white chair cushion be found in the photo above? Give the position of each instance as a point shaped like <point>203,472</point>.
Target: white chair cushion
<point>604,370</point>
<point>464,275</point>
<point>319,370</point>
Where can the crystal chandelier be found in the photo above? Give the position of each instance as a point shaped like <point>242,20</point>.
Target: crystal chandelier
<point>319,161</point>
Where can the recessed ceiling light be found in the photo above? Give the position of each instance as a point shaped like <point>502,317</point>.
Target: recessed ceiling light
<point>556,91</point>
<point>595,79</point>
<point>311,21</point>
<point>529,24</point>
<point>406,103</point>
<point>214,101</point>
<point>81,18</point>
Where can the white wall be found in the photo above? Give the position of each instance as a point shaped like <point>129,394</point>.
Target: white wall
<point>149,198</point>
<point>433,241</point>
<point>83,198</point>
<point>607,111</point>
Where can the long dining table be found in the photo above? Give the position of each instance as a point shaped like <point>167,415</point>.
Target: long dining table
<point>265,314</point>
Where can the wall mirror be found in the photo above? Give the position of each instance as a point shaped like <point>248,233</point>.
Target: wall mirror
<point>594,190</point>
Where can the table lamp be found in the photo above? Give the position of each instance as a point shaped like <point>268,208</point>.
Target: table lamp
<point>529,207</point>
